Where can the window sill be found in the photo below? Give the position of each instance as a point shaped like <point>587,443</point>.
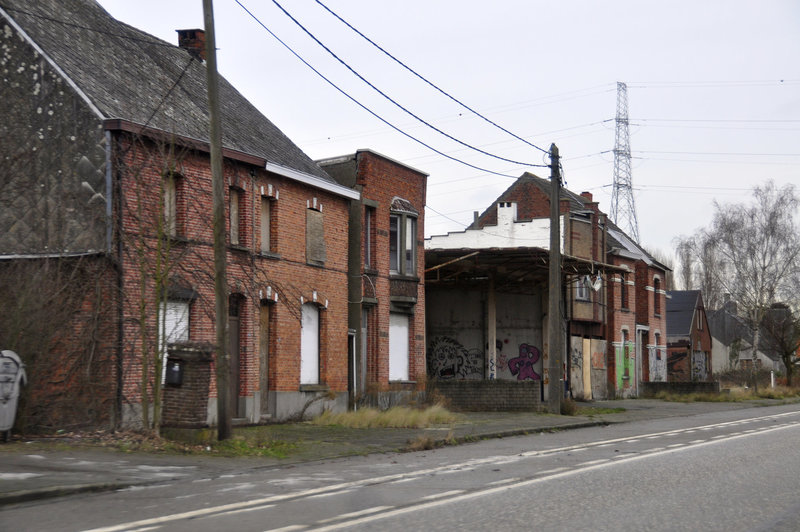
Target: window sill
<point>314,388</point>
<point>238,247</point>
<point>176,239</point>
<point>403,277</point>
<point>583,300</point>
<point>269,255</point>
<point>315,263</point>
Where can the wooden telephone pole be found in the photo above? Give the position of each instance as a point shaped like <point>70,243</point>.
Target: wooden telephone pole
<point>220,253</point>
<point>555,387</point>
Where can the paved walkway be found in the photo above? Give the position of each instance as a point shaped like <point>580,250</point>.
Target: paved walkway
<point>32,470</point>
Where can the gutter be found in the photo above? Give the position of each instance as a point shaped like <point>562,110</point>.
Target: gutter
<point>119,124</point>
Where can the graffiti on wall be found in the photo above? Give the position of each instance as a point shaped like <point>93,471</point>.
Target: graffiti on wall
<point>699,366</point>
<point>449,360</point>
<point>524,366</point>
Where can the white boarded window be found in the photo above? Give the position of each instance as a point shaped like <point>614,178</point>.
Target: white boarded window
<point>398,346</point>
<point>309,344</point>
<point>173,327</point>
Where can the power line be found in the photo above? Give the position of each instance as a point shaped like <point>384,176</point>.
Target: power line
<point>392,100</point>
<point>399,62</point>
<point>361,105</point>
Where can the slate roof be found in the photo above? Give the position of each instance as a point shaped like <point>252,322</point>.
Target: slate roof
<point>130,75</point>
<point>681,305</point>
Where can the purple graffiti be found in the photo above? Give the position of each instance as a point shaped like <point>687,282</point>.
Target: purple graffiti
<point>523,365</point>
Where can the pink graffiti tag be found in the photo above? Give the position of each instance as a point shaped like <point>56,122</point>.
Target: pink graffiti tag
<point>523,365</point>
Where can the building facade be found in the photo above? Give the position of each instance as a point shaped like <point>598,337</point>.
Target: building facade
<point>108,183</point>
<point>386,283</point>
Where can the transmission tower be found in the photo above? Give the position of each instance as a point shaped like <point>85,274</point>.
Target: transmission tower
<point>623,209</point>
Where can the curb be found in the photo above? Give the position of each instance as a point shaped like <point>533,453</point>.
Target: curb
<point>15,497</point>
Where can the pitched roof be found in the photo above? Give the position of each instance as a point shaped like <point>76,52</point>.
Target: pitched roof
<point>681,305</point>
<point>522,187</point>
<point>127,74</point>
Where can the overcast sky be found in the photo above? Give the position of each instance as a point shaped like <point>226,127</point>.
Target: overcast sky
<point>713,92</point>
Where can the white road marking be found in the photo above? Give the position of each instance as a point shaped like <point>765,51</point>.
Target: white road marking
<point>522,484</point>
<point>373,510</point>
<point>443,494</point>
<point>388,478</point>
<point>593,462</point>
<point>243,510</point>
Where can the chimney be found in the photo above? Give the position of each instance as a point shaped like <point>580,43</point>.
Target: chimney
<point>587,195</point>
<point>193,41</point>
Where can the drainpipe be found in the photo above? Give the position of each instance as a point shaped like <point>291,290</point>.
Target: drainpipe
<point>113,188</point>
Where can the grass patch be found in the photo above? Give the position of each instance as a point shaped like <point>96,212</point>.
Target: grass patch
<point>597,411</point>
<point>734,395</point>
<point>396,417</point>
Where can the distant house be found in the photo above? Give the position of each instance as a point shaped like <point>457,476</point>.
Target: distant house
<point>106,165</point>
<point>732,337</point>
<point>386,276</point>
<point>689,344</point>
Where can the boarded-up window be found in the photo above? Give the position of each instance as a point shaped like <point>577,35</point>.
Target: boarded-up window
<point>234,216</point>
<point>170,200</point>
<point>309,344</point>
<point>266,226</point>
<point>398,346</point>
<point>315,237</point>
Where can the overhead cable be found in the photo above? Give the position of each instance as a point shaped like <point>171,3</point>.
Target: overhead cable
<point>392,100</point>
<point>411,70</point>
<point>361,105</point>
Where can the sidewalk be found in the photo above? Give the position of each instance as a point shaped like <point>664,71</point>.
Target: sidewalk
<point>31,470</point>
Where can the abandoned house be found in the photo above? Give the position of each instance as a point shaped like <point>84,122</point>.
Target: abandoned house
<point>688,337</point>
<point>487,292</point>
<point>107,190</point>
<point>387,291</point>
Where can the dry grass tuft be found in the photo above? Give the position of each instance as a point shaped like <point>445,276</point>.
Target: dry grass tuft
<point>396,417</point>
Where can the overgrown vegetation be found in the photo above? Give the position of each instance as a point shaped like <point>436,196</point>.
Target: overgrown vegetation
<point>396,417</point>
<point>590,411</point>
<point>734,395</point>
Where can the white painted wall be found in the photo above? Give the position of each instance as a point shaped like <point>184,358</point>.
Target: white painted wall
<point>506,234</point>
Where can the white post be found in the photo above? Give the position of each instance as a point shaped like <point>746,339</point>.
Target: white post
<point>772,379</point>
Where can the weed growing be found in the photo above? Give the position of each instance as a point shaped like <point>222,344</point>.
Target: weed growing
<point>396,417</point>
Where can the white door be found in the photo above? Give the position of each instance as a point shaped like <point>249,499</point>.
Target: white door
<point>309,345</point>
<point>398,347</point>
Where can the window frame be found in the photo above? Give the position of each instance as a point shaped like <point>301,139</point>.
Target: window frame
<point>403,244</point>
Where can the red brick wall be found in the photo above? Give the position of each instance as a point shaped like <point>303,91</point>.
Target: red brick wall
<point>249,273</point>
<point>383,179</point>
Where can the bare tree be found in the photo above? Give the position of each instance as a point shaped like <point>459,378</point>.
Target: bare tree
<point>684,252</point>
<point>781,330</point>
<point>753,251</point>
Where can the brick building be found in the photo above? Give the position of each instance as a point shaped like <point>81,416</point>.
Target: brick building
<point>108,179</point>
<point>613,289</point>
<point>387,291</point>
<point>689,341</point>
<point>637,323</point>
<point>487,294</point>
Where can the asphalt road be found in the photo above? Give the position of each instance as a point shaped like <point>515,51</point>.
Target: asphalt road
<point>734,470</point>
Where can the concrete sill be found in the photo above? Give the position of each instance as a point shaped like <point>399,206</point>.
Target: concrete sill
<point>269,255</point>
<point>314,388</point>
<point>238,248</point>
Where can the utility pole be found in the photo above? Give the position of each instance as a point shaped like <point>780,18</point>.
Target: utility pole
<point>555,387</point>
<point>220,258</point>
